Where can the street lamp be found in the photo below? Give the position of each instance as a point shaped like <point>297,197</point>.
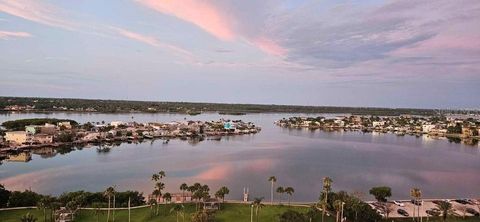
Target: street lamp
<point>251,213</point>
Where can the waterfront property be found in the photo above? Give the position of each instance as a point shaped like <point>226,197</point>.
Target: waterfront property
<point>466,129</point>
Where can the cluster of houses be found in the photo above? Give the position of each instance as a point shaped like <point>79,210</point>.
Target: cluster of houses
<point>36,136</point>
<point>413,125</point>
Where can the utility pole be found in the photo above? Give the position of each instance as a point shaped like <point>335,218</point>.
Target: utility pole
<point>129,215</point>
<point>251,213</point>
<point>341,218</point>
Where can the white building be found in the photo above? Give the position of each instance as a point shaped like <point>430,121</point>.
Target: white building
<point>426,128</point>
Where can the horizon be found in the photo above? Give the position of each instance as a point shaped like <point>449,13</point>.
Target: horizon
<point>374,53</point>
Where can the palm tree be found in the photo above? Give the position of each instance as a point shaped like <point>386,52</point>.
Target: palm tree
<point>327,187</point>
<point>272,180</point>
<point>108,193</point>
<point>337,204</point>
<point>416,194</point>
<point>289,191</point>
<point>167,197</point>
<point>28,218</point>
<point>43,204</point>
<point>280,190</point>
<point>178,209</point>
<point>222,192</point>
<point>161,174</point>
<point>151,202</point>
<point>445,208</point>
<point>183,188</point>
<point>158,193</point>
<point>257,203</point>
<point>155,177</point>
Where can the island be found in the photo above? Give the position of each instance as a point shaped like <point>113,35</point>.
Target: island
<point>456,129</point>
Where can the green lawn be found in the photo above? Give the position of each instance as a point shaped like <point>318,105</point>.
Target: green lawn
<point>449,219</point>
<point>228,213</point>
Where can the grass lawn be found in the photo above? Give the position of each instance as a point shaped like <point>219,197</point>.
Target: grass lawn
<point>449,219</point>
<point>228,213</point>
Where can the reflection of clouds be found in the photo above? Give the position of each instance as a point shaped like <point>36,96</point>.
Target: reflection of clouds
<point>38,180</point>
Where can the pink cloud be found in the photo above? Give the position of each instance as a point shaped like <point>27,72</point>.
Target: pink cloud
<point>37,12</point>
<point>9,35</point>
<point>269,46</point>
<point>214,20</point>
<point>218,172</point>
<point>150,40</point>
<point>201,13</point>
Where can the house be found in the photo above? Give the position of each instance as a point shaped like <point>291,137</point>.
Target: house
<point>211,204</point>
<point>378,123</point>
<point>117,123</point>
<point>426,128</point>
<point>467,132</point>
<point>65,124</point>
<point>43,138</point>
<point>18,137</point>
<point>48,129</point>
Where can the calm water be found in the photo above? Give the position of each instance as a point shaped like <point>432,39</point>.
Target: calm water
<point>299,158</point>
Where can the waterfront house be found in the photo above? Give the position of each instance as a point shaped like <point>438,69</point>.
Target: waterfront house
<point>49,129</point>
<point>43,139</point>
<point>117,124</point>
<point>17,137</point>
<point>65,125</point>
<point>467,132</point>
<point>426,128</point>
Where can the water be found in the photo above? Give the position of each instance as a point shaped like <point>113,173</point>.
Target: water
<point>297,157</point>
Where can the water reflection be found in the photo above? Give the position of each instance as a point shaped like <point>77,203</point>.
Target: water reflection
<point>297,157</point>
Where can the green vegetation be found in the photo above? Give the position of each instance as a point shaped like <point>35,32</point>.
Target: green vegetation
<point>381,193</point>
<point>228,213</point>
<point>21,123</point>
<point>89,105</point>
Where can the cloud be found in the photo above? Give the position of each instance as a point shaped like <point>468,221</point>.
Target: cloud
<point>226,20</point>
<point>150,40</point>
<point>5,35</point>
<point>37,11</point>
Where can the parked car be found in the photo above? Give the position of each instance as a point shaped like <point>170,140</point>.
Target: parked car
<point>473,212</point>
<point>416,202</point>
<point>461,201</point>
<point>398,203</point>
<point>403,212</point>
<point>433,212</point>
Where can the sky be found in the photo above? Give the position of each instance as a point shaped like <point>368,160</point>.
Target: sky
<point>398,53</point>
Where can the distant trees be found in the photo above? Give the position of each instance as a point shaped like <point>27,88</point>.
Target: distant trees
<point>280,190</point>
<point>222,192</point>
<point>21,123</point>
<point>289,191</point>
<point>381,193</point>
<point>4,196</point>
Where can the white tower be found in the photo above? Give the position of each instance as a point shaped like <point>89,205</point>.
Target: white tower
<point>245,194</point>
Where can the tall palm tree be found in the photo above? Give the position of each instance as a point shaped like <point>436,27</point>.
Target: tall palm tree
<point>272,180</point>
<point>327,187</point>
<point>109,193</point>
<point>257,203</point>
<point>155,177</point>
<point>183,188</point>
<point>167,197</point>
<point>289,191</point>
<point>281,191</point>
<point>416,194</point>
<point>178,209</point>
<point>158,193</point>
<point>445,208</point>
<point>43,204</point>
<point>337,204</point>
<point>161,174</point>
